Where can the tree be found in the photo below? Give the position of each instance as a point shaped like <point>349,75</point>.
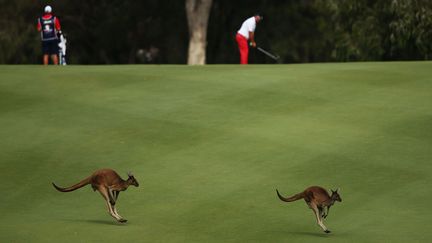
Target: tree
<point>198,12</point>
<point>409,30</point>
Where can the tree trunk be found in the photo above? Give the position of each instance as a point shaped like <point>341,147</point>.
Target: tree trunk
<point>198,12</point>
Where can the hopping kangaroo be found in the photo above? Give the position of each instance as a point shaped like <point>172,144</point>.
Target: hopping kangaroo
<point>109,184</point>
<point>318,199</point>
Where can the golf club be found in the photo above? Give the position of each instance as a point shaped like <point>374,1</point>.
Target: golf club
<point>274,57</point>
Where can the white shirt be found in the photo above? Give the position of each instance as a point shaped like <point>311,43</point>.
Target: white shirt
<point>248,25</point>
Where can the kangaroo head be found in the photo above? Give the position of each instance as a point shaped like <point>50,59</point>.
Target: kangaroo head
<point>131,180</point>
<point>335,195</point>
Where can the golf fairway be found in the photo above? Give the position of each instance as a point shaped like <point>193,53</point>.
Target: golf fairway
<point>210,144</point>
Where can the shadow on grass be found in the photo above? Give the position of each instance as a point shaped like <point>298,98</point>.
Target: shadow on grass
<point>338,234</point>
<point>97,221</point>
<point>314,234</point>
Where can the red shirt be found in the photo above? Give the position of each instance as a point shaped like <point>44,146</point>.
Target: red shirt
<point>47,16</point>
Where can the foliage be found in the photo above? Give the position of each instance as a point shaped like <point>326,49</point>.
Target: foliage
<point>18,39</point>
<point>382,30</point>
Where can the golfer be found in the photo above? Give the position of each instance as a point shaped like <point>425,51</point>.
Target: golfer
<point>247,33</point>
<point>49,25</point>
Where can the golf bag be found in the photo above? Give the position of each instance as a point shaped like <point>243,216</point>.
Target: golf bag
<point>62,50</point>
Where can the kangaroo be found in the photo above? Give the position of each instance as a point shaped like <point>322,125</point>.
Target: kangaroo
<point>109,184</point>
<point>318,199</point>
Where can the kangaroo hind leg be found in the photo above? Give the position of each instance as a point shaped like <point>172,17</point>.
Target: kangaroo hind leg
<point>318,216</point>
<point>113,199</point>
<point>115,195</point>
<point>110,202</point>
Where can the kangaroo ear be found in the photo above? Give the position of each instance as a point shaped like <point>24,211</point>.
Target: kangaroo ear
<point>337,190</point>
<point>129,174</point>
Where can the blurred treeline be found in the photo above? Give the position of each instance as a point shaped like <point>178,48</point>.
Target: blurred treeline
<point>155,31</point>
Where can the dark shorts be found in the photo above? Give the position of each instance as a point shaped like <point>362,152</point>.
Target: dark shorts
<point>50,47</point>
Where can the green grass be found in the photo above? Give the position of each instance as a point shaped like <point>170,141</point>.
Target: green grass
<point>209,146</point>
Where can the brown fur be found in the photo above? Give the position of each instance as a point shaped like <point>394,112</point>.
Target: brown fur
<point>318,199</point>
<point>109,184</point>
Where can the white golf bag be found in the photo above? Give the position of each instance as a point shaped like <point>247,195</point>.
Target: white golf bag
<point>62,50</point>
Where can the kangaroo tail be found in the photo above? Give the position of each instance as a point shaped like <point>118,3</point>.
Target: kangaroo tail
<point>290,199</point>
<point>74,187</point>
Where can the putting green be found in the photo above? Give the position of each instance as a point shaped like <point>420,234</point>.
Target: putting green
<point>210,144</point>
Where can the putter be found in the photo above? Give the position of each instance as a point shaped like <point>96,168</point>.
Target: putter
<point>274,57</point>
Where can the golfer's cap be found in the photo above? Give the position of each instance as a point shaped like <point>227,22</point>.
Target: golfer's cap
<point>48,9</point>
